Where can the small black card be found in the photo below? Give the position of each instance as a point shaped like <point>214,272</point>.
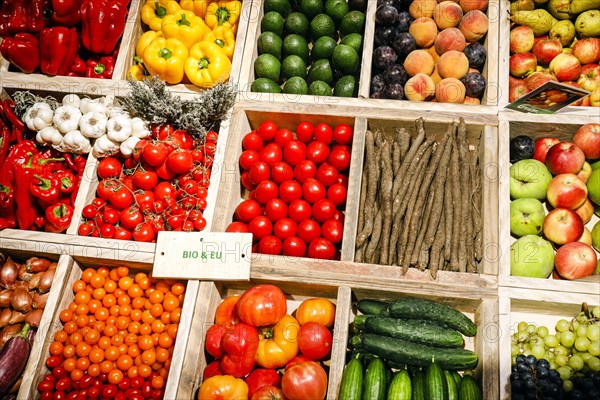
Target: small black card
<point>548,98</point>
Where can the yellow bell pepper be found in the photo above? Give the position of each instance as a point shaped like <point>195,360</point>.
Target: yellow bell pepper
<point>224,37</point>
<point>185,26</point>
<point>199,7</point>
<point>166,58</point>
<point>207,65</point>
<point>145,40</point>
<point>137,72</point>
<point>154,11</point>
<point>223,12</point>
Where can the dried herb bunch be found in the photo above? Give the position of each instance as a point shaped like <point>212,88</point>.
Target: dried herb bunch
<point>151,101</point>
<point>25,100</point>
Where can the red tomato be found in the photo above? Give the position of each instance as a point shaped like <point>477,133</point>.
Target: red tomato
<point>109,167</point>
<point>183,139</point>
<point>294,152</point>
<point>210,149</point>
<point>265,191</point>
<point>270,245</point>
<point>84,229</point>
<point>327,174</point>
<point>212,369</point>
<point>245,180</point>
<point>304,170</point>
<point>259,172</point>
<point>122,234</point>
<point>165,191</point>
<point>290,191</point>
<point>144,199</point>
<point>252,141</point>
<point>143,233</point>
<point>89,211</point>
<point>323,133</point>
<point>260,227</point>
<point>321,249</point>
<point>164,172</point>
<point>317,152</point>
<point>299,359</point>
<point>315,340</point>
<point>283,136</point>
<point>247,210</point>
<point>268,393</point>
<point>342,179</point>
<point>281,172</point>
<point>248,158</point>
<point>276,209</point>
<point>339,216</point>
<point>130,218</point>
<point>226,313</point>
<point>212,340</point>
<point>323,210</point>
<point>308,230</point>
<point>161,132</point>
<point>271,154</point>
<point>144,179</point>
<point>313,190</point>
<point>105,188</point>
<point>138,150</point>
<point>299,210</point>
<point>333,230</point>
<point>212,136</point>
<point>267,130</point>
<point>342,134</point>
<point>262,305</point>
<point>155,153</point>
<point>121,198</point>
<point>237,227</point>
<point>180,161</point>
<point>337,194</point>
<point>340,157</point>
<point>285,228</point>
<point>304,381</point>
<point>304,131</point>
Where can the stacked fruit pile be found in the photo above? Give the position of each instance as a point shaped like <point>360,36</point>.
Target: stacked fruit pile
<point>427,42</point>
<point>555,40</point>
<point>556,171</point>
<point>334,28</point>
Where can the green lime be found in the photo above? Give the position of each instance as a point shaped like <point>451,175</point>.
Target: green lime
<point>293,66</point>
<point>323,48</point>
<point>283,7</point>
<point>269,43</point>
<point>353,22</point>
<point>345,59</point>
<point>267,66</point>
<point>320,70</point>
<point>354,40</point>
<point>297,23</point>
<point>311,8</point>
<point>322,25</point>
<point>320,88</point>
<point>295,44</point>
<point>265,85</point>
<point>295,85</point>
<point>336,9</point>
<point>272,22</point>
<point>345,87</point>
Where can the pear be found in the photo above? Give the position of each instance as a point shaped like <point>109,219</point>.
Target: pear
<point>579,6</point>
<point>539,2</point>
<point>559,8</point>
<point>587,24</point>
<point>540,20</point>
<point>522,5</point>
<point>564,31</point>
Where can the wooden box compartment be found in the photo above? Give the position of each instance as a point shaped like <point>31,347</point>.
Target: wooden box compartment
<point>74,268</point>
<point>553,127</point>
<point>540,308</point>
<point>483,310</point>
<point>210,296</point>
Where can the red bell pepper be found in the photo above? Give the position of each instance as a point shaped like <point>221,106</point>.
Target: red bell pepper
<point>239,344</point>
<point>67,181</point>
<point>18,16</point>
<point>102,24</point>
<point>58,217</point>
<point>66,12</point>
<point>23,51</point>
<point>6,197</point>
<point>58,48</point>
<point>26,204</point>
<point>45,187</point>
<point>18,155</point>
<point>77,68</point>
<point>100,67</point>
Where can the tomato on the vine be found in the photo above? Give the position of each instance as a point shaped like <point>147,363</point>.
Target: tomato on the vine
<point>143,232</point>
<point>165,191</point>
<point>144,179</point>
<point>212,136</point>
<point>121,197</point>
<point>180,161</point>
<point>131,217</point>
<point>154,153</point>
<point>109,167</point>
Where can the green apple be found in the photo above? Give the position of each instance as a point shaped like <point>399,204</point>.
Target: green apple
<point>526,217</point>
<point>596,236</point>
<point>531,256</point>
<point>597,271</point>
<point>593,186</point>
<point>529,179</point>
<point>595,165</point>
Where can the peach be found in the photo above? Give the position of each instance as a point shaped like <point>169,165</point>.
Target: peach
<point>447,14</point>
<point>419,88</point>
<point>453,64</point>
<point>470,5</point>
<point>435,75</point>
<point>474,101</point>
<point>521,39</point>
<point>450,90</point>
<point>474,25</point>
<point>424,30</point>
<point>419,61</point>
<point>449,39</point>
<point>422,8</point>
<point>434,54</point>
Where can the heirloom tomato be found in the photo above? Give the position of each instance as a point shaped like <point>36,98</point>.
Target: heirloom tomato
<point>260,378</point>
<point>268,393</point>
<point>315,340</point>
<point>278,344</point>
<point>223,387</point>
<point>226,313</point>
<point>316,310</point>
<point>262,305</point>
<point>306,380</point>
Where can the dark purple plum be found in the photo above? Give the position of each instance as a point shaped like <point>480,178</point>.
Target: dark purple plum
<point>386,15</point>
<point>403,44</point>
<point>384,56</point>
<point>384,35</point>
<point>474,84</point>
<point>394,91</point>
<point>476,54</point>
<point>393,3</point>
<point>395,74</point>
<point>377,95</point>
<point>377,83</point>
<point>521,148</point>
<point>404,21</point>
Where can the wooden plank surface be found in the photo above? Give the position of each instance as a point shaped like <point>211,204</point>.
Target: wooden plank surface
<point>364,84</point>
<point>343,312</point>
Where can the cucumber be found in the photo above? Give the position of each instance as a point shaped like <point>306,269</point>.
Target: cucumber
<point>352,380</point>
<point>400,388</point>
<point>414,308</point>
<point>413,353</point>
<point>412,330</point>
<point>457,378</point>
<point>418,385</point>
<point>374,383</point>
<point>452,386</point>
<point>373,307</point>
<point>435,382</point>
<point>469,389</point>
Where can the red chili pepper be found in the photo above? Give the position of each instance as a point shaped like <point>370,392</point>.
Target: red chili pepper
<point>8,107</point>
<point>67,181</point>
<point>78,68</point>
<point>80,162</point>
<point>58,48</point>
<point>25,201</point>
<point>58,217</point>
<point>23,51</point>
<point>100,67</point>
<point>45,187</point>
<point>4,142</point>
<point>102,24</point>
<point>69,161</point>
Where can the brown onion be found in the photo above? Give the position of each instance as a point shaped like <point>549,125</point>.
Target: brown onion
<point>9,273</point>
<point>46,281</point>
<point>9,331</point>
<point>23,274</point>
<point>35,264</point>
<point>21,285</point>
<point>34,282</point>
<point>5,297</point>
<point>40,300</point>
<point>16,317</point>
<point>4,317</point>
<point>2,258</point>
<point>53,265</point>
<point>21,300</point>
<point>34,317</point>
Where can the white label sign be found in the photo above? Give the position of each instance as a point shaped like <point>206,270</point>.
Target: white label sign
<point>203,256</point>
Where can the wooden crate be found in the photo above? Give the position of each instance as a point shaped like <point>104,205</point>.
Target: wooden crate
<point>503,70</point>
<point>482,310</point>
<point>534,127</point>
<point>537,307</point>
<point>210,296</point>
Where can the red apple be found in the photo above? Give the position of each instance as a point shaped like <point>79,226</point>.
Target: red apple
<point>566,191</point>
<point>521,39</point>
<point>587,50</point>
<point>565,158</point>
<point>590,77</point>
<point>575,260</point>
<point>537,79</point>
<point>585,172</point>
<point>566,67</point>
<point>585,211</point>
<point>587,138</point>
<point>517,89</point>
<point>546,49</point>
<point>586,237</point>
<point>542,145</point>
<point>562,226</point>
<point>522,64</point>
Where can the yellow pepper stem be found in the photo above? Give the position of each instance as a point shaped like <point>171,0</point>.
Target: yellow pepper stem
<point>203,63</point>
<point>222,15</point>
<point>159,10</point>
<point>220,43</point>
<point>165,53</point>
<point>183,20</point>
